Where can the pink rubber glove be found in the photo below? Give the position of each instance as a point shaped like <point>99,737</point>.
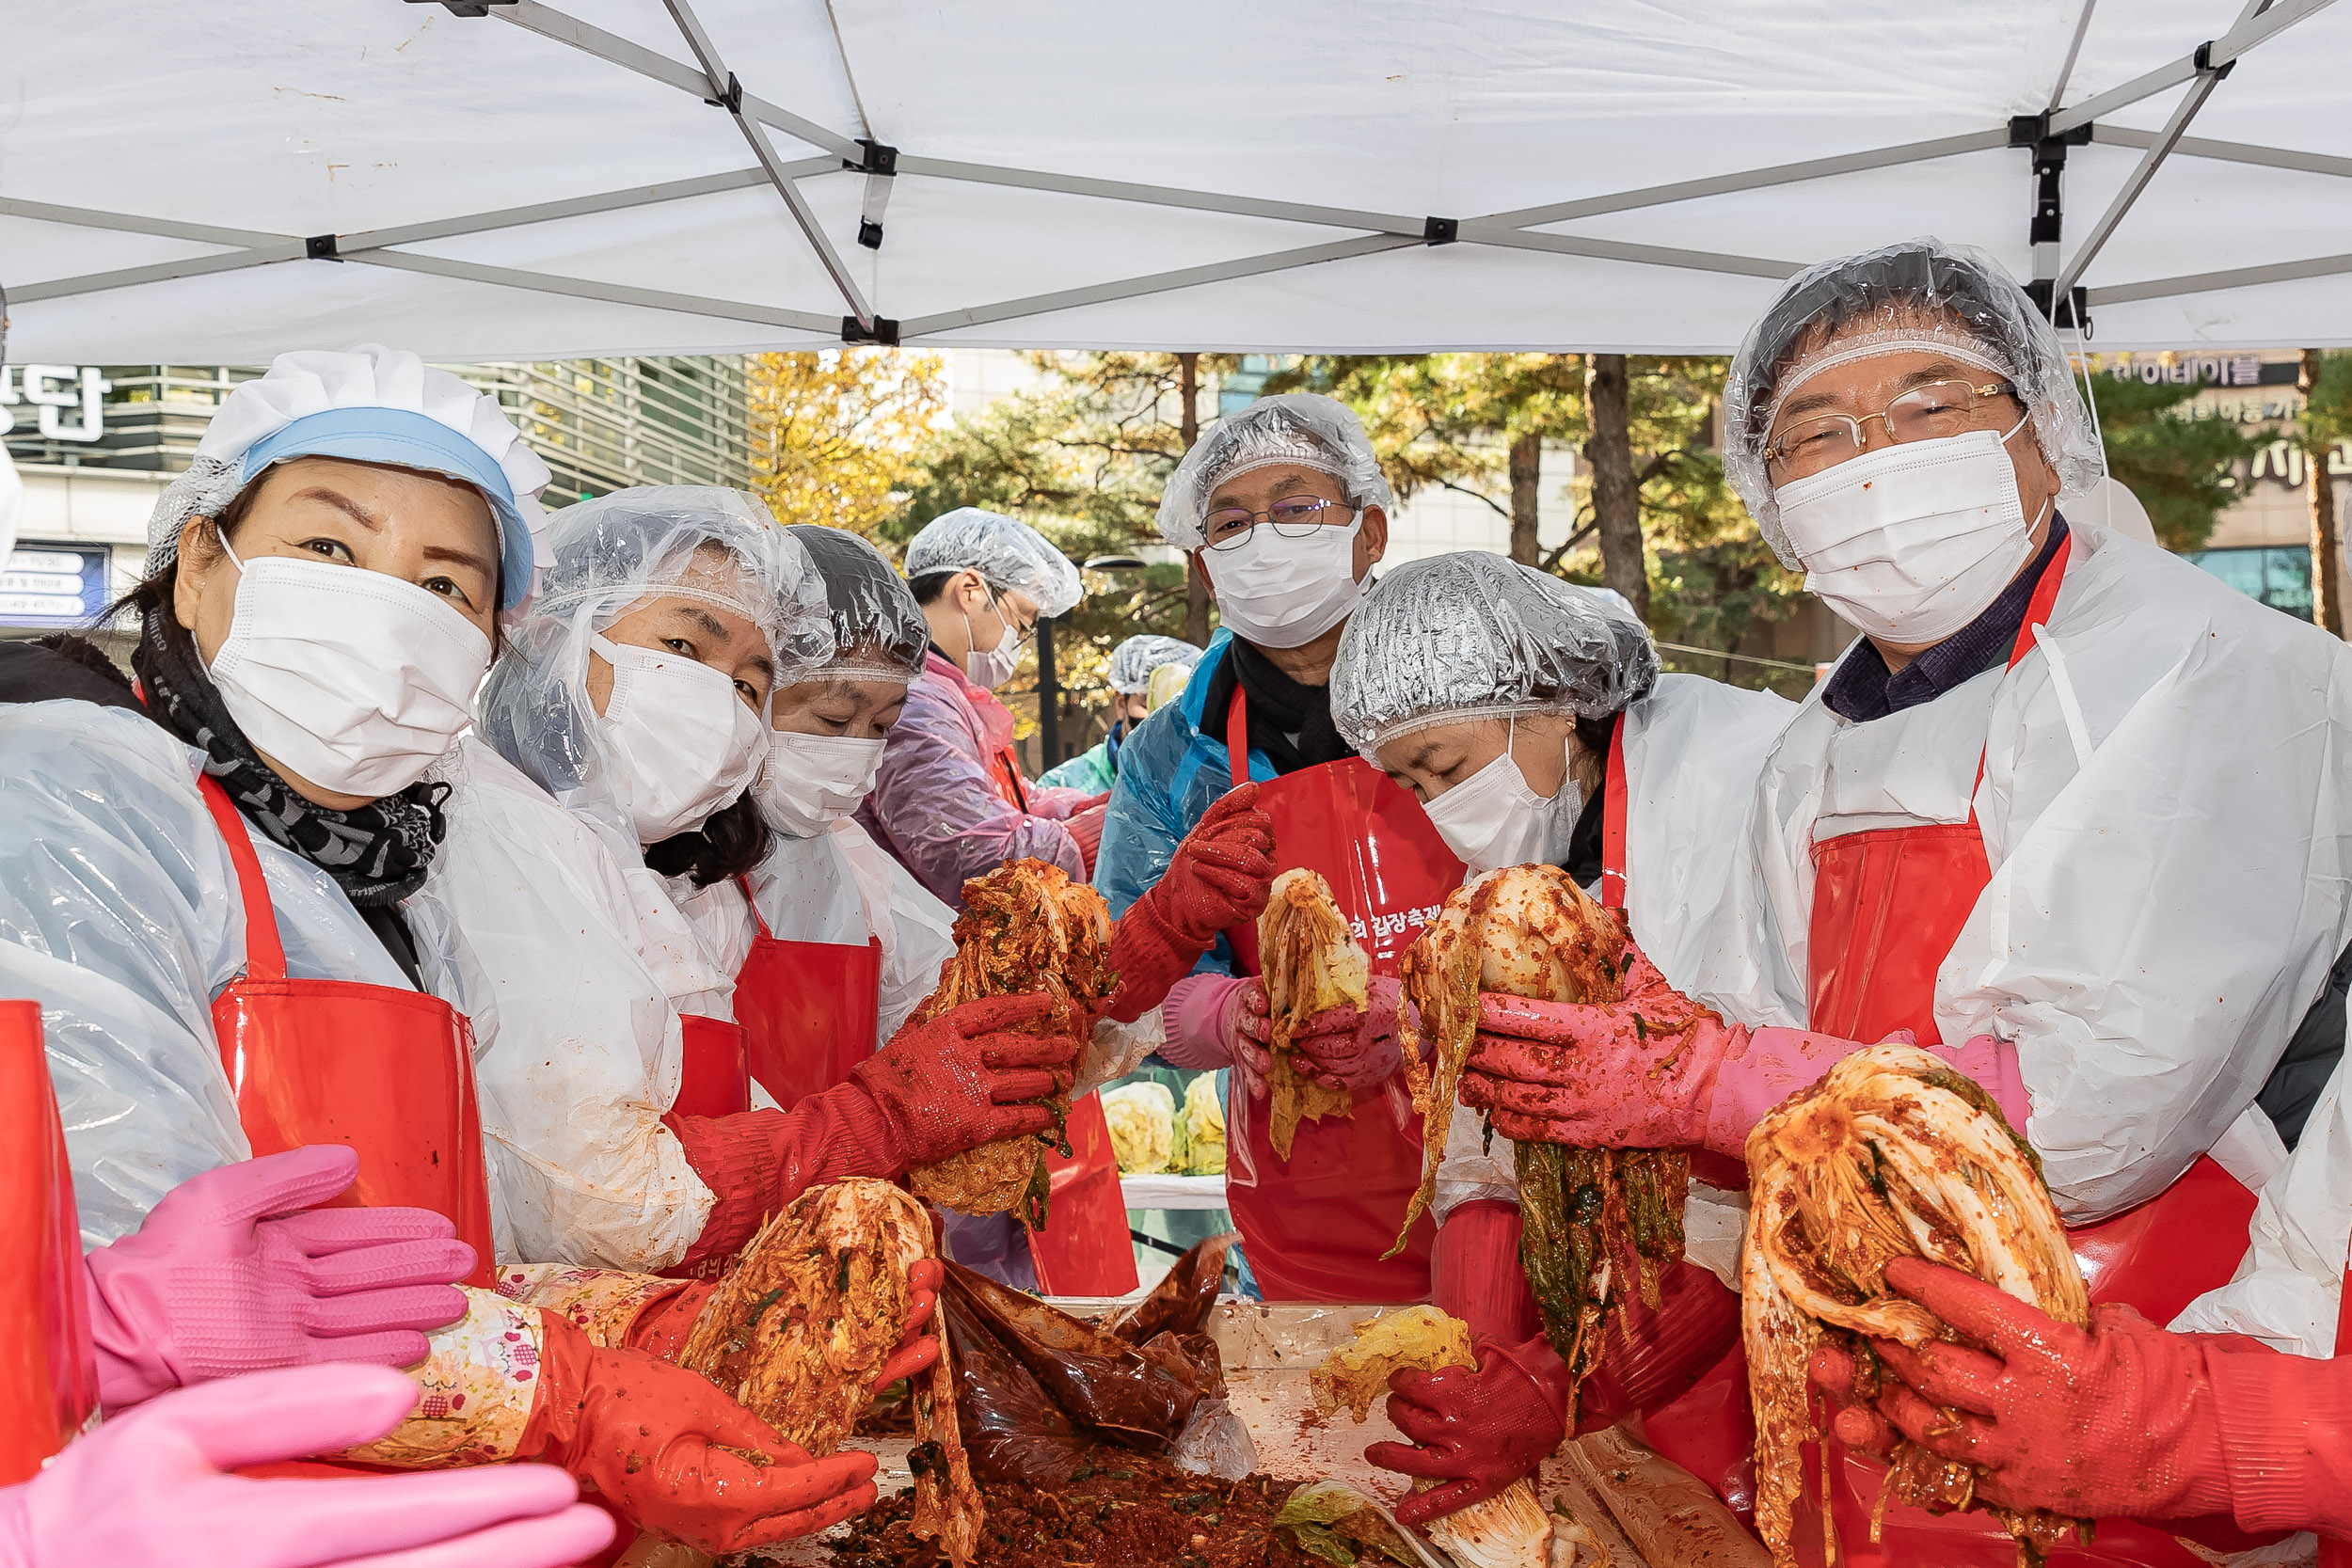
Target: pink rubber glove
<point>235,1272</point>
<point>1477,1429</point>
<point>1657,1070</point>
<point>1353,1048</point>
<point>1217,1020</point>
<point>148,1490</point>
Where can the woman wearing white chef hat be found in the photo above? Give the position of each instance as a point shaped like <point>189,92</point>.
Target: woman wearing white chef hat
<point>214,902</point>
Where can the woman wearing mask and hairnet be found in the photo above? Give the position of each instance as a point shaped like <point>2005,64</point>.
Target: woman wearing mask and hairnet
<point>949,801</point>
<point>845,944</point>
<point>1284,510</point>
<point>2069,806</point>
<point>1134,663</point>
<point>1530,719</point>
<point>609,779</point>
<point>209,899</point>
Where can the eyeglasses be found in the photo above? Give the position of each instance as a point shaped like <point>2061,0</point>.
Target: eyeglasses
<point>1021,634</point>
<point>1939,408</point>
<point>1291,519</point>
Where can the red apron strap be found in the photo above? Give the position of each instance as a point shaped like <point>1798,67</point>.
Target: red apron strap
<point>1018,797</point>
<point>1238,723</point>
<point>265,955</point>
<point>1613,822</point>
<point>744,882</point>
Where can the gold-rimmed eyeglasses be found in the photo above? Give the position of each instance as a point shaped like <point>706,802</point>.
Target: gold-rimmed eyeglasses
<point>1820,441</point>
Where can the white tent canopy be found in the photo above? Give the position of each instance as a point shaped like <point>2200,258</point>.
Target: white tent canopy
<point>212,183</point>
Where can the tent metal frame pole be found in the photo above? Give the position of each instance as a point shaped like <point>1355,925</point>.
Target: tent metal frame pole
<point>728,92</point>
<point>2209,75</point>
<point>2228,151</point>
<point>1132,288</point>
<point>2074,52</point>
<point>2213,54</point>
<point>1479,231</point>
<point>2211,282</point>
<point>162,229</point>
<point>1750,180</point>
<point>579,206</point>
<point>547,23</point>
<point>609,293</point>
<point>1162,196</point>
<point>159,272</point>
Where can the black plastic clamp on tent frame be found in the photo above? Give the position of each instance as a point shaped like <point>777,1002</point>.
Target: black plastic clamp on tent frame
<point>2049,211</point>
<point>463,7</point>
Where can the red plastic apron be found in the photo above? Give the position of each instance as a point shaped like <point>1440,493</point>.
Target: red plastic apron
<point>1085,1249</point>
<point>714,1080</point>
<point>809,1011</point>
<point>386,1072</point>
<point>1315,1225</point>
<point>2334,1553</point>
<point>1887,906</point>
<point>48,1372</point>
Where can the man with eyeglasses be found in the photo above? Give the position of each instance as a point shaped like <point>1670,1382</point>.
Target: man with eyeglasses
<point>2070,812</point>
<point>1283,509</point>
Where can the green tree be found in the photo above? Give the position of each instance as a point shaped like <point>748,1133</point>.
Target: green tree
<point>2177,465</point>
<point>2326,379</point>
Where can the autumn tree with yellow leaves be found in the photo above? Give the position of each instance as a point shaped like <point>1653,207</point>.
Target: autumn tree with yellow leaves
<point>834,434</point>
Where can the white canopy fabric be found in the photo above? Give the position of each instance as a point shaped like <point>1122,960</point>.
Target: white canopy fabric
<point>212,183</point>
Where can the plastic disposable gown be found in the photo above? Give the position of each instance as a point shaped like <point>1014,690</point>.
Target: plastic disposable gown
<point>936,803</point>
<point>119,914</point>
<point>2289,1287</point>
<point>567,951</point>
<point>2166,804</point>
<point>574,966</point>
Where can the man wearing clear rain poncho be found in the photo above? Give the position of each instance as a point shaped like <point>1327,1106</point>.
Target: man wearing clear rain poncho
<point>212,897</point>
<point>1530,719</point>
<point>2069,806</point>
<point>609,779</point>
<point>949,801</point>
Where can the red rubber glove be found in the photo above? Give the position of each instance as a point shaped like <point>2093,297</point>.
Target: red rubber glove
<point>235,1272</point>
<point>1657,1070</point>
<point>2119,1419</point>
<point>1219,879</point>
<point>1477,1429</point>
<point>1353,1048</point>
<point>937,1088</point>
<point>656,1440</point>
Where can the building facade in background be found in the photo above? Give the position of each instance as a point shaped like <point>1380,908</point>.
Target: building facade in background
<point>97,443</point>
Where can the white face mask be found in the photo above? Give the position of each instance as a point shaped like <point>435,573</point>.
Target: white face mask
<point>352,679</point>
<point>992,666</point>
<point>813,780</point>
<point>1495,818</point>
<point>1283,593</point>
<point>1910,543</point>
<point>683,743</point>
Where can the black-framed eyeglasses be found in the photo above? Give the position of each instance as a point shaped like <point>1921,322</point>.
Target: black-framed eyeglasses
<point>1820,441</point>
<point>1294,518</point>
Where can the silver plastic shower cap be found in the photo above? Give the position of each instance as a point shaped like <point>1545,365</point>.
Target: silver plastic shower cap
<point>1303,428</point>
<point>1007,552</point>
<point>879,632</point>
<point>1133,662</point>
<point>1479,636</point>
<point>1920,294</point>
<point>611,554</point>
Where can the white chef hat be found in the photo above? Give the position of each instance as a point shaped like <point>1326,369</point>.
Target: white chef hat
<point>373,404</point>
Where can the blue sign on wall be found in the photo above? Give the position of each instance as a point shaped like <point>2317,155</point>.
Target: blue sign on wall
<point>54,585</point>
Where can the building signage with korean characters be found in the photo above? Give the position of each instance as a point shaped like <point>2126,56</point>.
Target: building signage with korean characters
<point>64,403</point>
<point>54,585</point>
